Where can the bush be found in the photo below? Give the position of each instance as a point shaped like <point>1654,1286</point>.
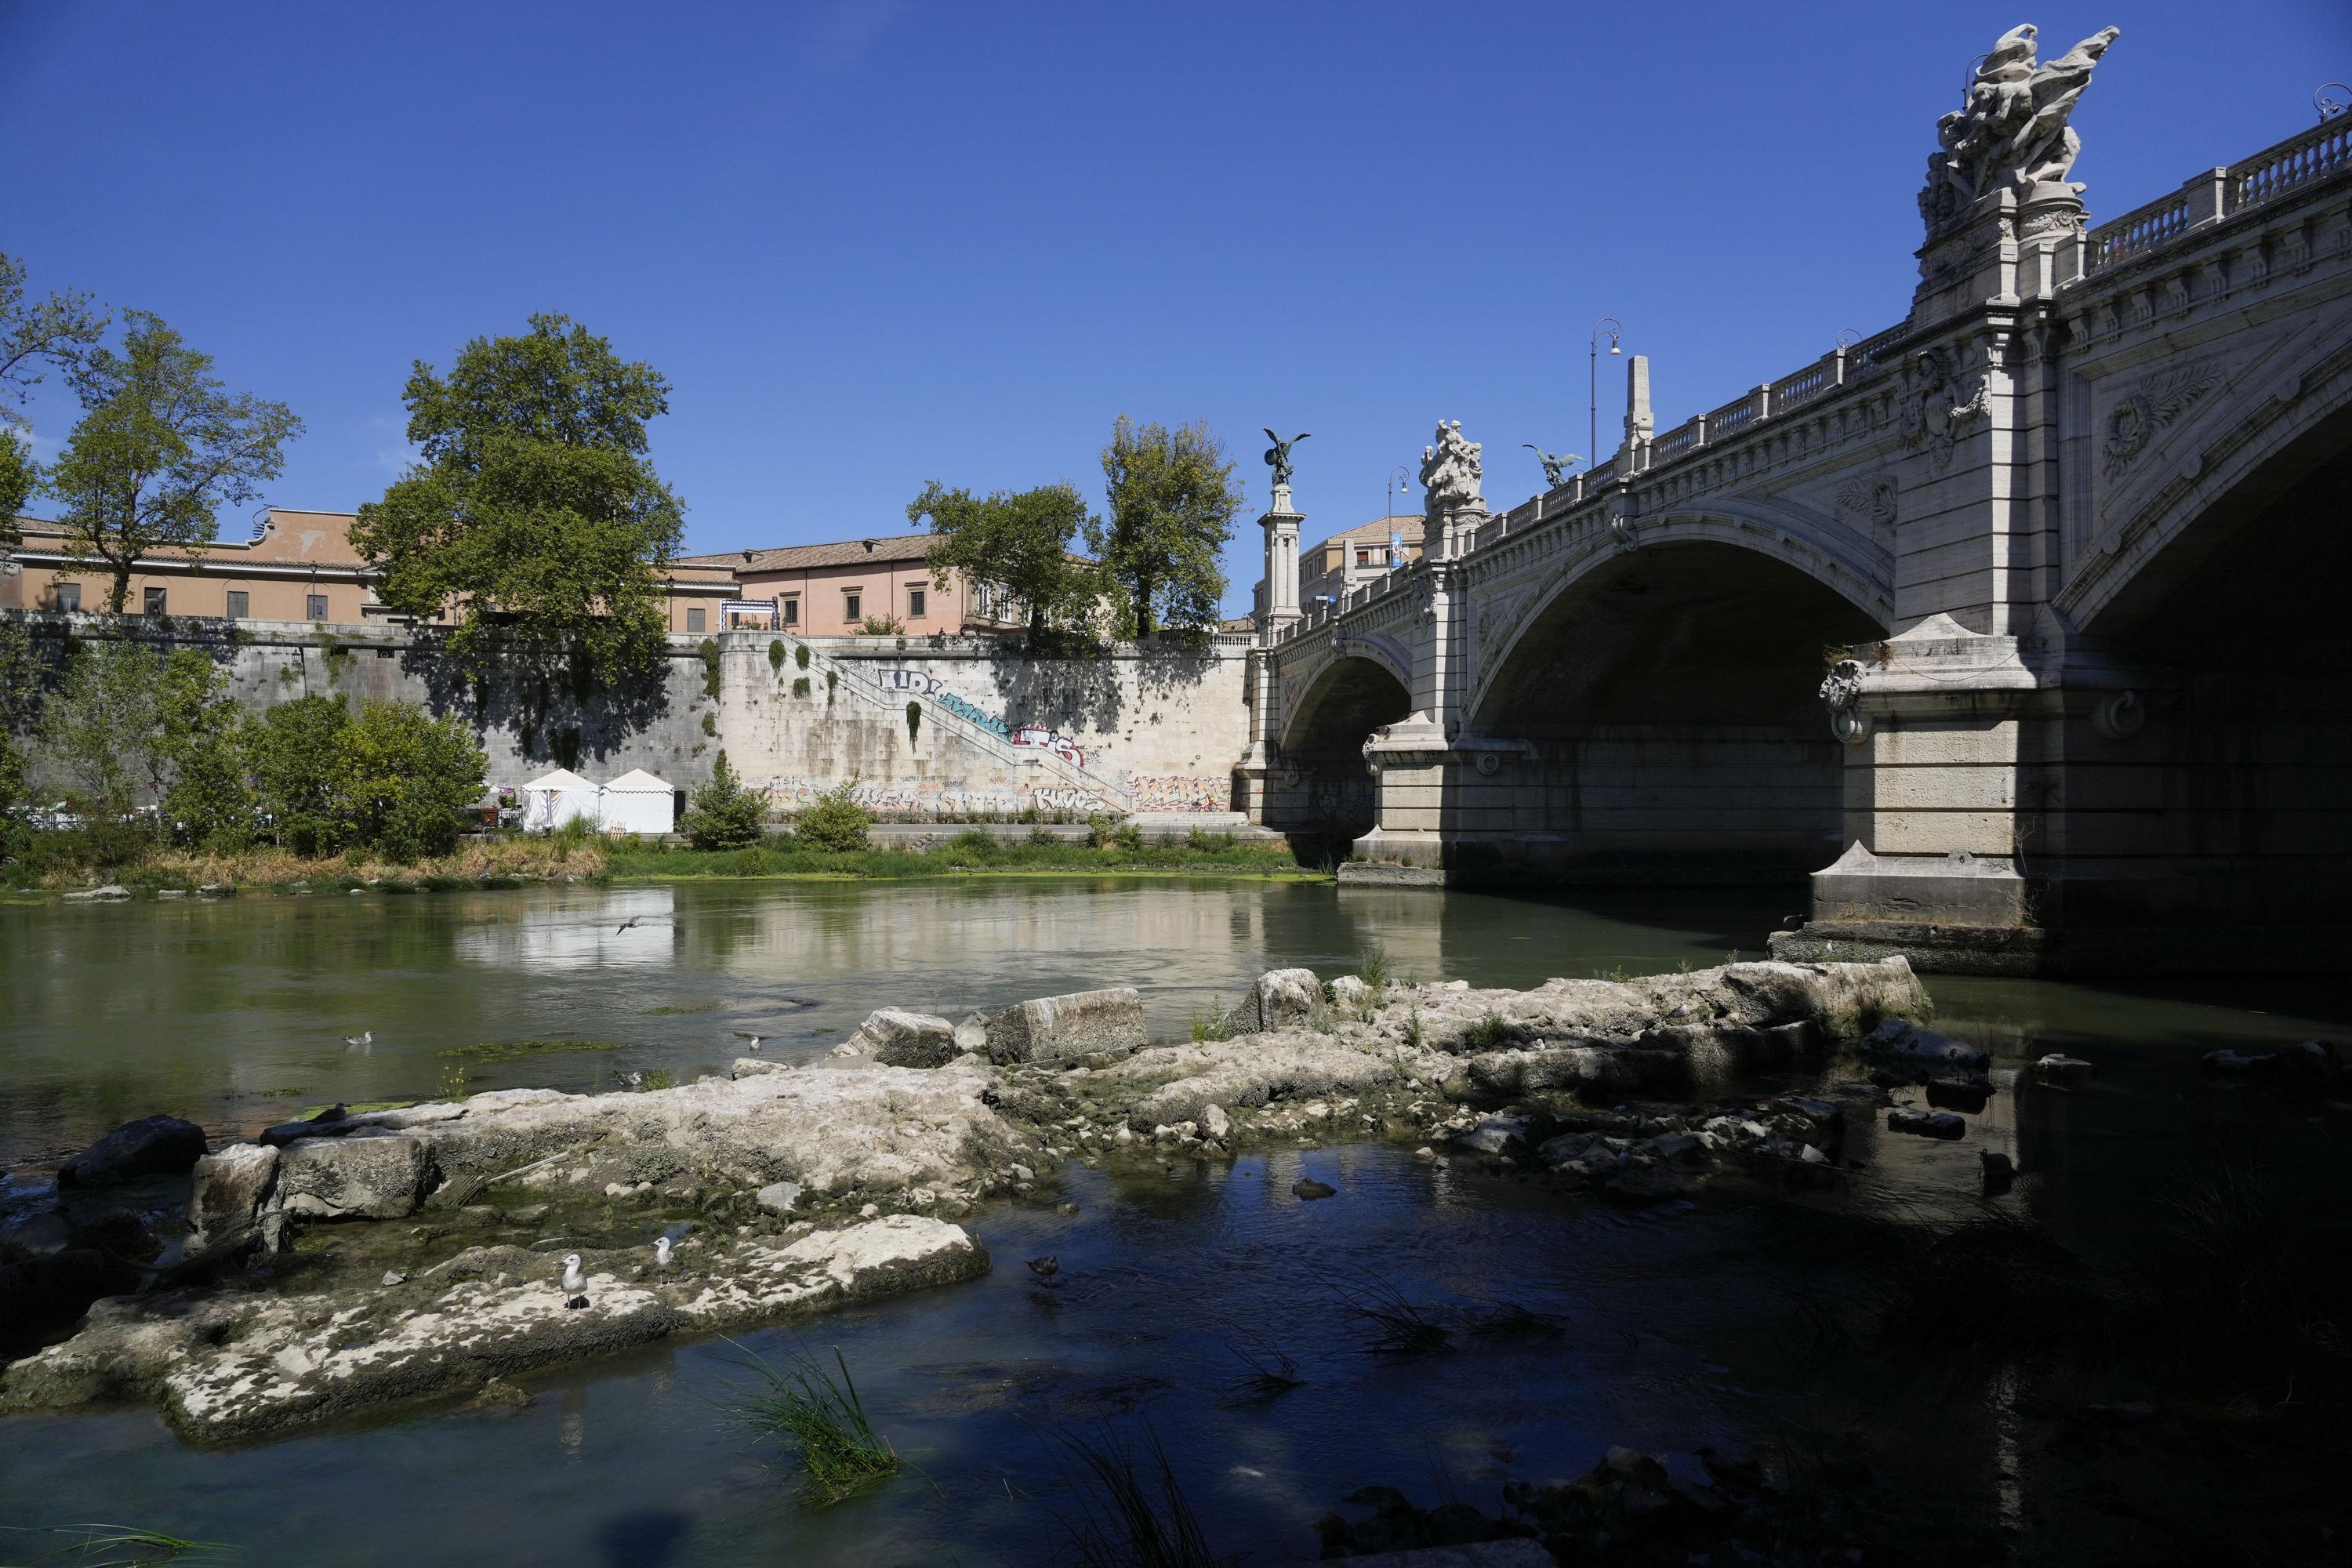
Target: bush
<point>709,652</point>
<point>835,821</point>
<point>914,717</point>
<point>801,685</point>
<point>801,655</point>
<point>776,653</point>
<point>722,813</point>
<point>402,779</point>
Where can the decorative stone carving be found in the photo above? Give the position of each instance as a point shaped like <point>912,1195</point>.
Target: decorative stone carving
<point>1451,472</point>
<point>2148,408</point>
<point>1871,497</point>
<point>1488,764</point>
<point>1842,691</point>
<point>2011,132</point>
<point>1555,464</point>
<point>1941,404</point>
<point>2119,717</point>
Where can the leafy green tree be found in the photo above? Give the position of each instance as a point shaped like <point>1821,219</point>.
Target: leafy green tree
<point>401,779</point>
<point>46,331</point>
<point>1019,539</point>
<point>1172,500</point>
<point>162,446</point>
<point>20,698</point>
<point>722,813</point>
<point>834,820</point>
<point>535,509</point>
<point>202,768</point>
<point>294,750</point>
<point>120,727</point>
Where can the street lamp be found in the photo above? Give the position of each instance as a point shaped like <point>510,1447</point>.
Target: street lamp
<point>1615,329</point>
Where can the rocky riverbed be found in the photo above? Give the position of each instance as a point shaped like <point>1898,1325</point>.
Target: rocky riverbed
<point>360,1259</point>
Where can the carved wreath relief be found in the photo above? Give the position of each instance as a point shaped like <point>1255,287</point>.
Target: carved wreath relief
<point>1870,498</point>
<point>2156,403</point>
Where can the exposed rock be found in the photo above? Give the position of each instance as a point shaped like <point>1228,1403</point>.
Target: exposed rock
<point>242,1364</point>
<point>1900,1037</point>
<point>150,1146</point>
<point>972,1034</point>
<point>1055,1028</point>
<point>1214,1122</point>
<point>2305,1066</point>
<point>898,1038</point>
<point>1350,991</point>
<point>111,892</point>
<point>1927,1123</point>
<point>1999,1172</point>
<point>1958,1094</point>
<point>757,1067</point>
<point>2064,1071</point>
<point>1242,1074</point>
<point>331,1122</point>
<point>1277,999</point>
<point>231,1192</point>
<point>1307,1189</point>
<point>777,1197</point>
<point>1498,1135</point>
<point>355,1177</point>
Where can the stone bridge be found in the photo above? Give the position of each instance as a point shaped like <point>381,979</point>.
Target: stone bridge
<point>2017,627</point>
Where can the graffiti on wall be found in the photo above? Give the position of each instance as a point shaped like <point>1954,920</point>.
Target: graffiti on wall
<point>1180,792</point>
<point>924,797</point>
<point>925,685</point>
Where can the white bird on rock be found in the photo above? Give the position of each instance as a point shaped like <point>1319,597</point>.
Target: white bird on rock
<point>662,1257</point>
<point>575,1283</point>
<point>748,1035</point>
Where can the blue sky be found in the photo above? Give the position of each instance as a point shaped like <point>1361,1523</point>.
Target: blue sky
<point>876,242</point>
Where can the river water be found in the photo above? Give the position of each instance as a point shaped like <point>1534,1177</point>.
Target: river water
<point>1676,1323</point>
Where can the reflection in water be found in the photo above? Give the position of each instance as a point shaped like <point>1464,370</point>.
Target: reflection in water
<point>631,928</point>
<point>1680,1322</point>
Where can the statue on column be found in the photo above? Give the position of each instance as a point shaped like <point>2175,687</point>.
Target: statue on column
<point>1277,457</point>
<point>2011,130</point>
<point>1451,470</point>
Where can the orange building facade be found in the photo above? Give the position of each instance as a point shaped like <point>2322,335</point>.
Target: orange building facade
<point>834,590</point>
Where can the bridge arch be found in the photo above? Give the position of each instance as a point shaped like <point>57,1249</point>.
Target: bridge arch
<point>1660,703</point>
<point>1325,785</point>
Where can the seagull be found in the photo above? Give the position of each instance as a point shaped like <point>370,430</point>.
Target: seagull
<point>748,1035</point>
<point>1045,1267</point>
<point>360,1042</point>
<point>662,1259</point>
<point>627,923</point>
<point>633,1079</point>
<point>575,1284</point>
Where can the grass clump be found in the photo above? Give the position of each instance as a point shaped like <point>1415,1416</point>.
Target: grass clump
<point>1397,1327</point>
<point>654,1162</point>
<point>1209,1027</point>
<point>1490,1032</point>
<point>1373,967</point>
<point>1130,1513</point>
<point>824,1422</point>
<point>117,1546</point>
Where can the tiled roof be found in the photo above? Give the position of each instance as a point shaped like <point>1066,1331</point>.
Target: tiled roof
<point>801,557</point>
<point>1380,528</point>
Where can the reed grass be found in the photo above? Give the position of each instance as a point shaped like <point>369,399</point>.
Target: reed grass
<point>824,1422</point>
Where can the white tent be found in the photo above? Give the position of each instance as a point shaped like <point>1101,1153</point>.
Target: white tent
<point>637,802</point>
<point>553,799</point>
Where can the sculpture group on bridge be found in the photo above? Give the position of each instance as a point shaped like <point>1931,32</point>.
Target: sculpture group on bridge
<point>2011,132</point>
<point>1451,470</point>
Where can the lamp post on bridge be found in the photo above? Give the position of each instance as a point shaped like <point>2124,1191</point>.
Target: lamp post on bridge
<point>1615,329</point>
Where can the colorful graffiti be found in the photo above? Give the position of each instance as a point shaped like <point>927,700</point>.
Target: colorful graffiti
<point>924,798</point>
<point>1181,791</point>
<point>925,685</point>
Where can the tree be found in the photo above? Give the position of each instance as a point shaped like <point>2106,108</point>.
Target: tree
<point>1019,539</point>
<point>52,331</point>
<point>834,820</point>
<point>20,697</point>
<point>294,750</point>
<point>200,774</point>
<point>401,779</point>
<point>1172,500</point>
<point>722,813</point>
<point>535,508</point>
<point>161,446</point>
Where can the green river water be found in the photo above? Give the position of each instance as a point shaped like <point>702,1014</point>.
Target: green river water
<point>233,1013</point>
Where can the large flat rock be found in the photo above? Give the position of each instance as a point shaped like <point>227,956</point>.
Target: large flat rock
<point>234,1366</point>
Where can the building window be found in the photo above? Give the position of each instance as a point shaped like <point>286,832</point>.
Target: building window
<point>316,609</point>
<point>69,595</point>
<point>240,605</point>
<point>850,607</point>
<point>914,603</point>
<point>695,618</point>
<point>151,601</point>
<point>792,612</point>
<point>1363,558</point>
